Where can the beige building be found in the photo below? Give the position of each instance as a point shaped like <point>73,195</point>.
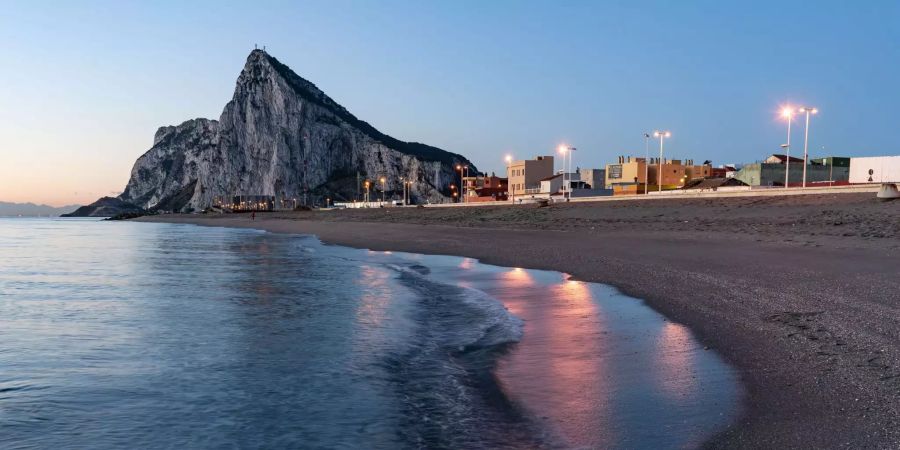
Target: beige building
<point>633,175</point>
<point>526,175</point>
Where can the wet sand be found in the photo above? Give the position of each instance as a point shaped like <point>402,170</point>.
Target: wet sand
<point>800,293</point>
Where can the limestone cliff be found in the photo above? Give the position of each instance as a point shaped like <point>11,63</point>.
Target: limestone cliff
<point>280,136</point>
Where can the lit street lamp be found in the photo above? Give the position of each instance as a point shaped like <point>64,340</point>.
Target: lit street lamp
<point>383,189</point>
<point>565,150</point>
<point>808,111</point>
<point>787,113</point>
<point>462,182</point>
<point>662,135</point>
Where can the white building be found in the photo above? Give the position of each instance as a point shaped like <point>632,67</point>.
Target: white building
<point>875,169</point>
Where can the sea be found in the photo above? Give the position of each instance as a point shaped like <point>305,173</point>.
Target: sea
<point>149,335</point>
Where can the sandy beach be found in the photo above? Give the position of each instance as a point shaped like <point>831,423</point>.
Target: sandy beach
<point>799,293</point>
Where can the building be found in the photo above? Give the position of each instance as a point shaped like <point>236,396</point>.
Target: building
<point>875,169</point>
<point>256,203</point>
<point>559,184</point>
<point>594,178</point>
<point>483,187</point>
<point>526,175</point>
<point>724,171</point>
<point>780,159</point>
<point>634,175</point>
<point>552,184</point>
<point>830,170</point>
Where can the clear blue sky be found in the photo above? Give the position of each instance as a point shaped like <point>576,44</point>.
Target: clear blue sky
<point>84,85</point>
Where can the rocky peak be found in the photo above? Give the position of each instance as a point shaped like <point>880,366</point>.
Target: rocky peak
<point>281,136</point>
<point>174,131</point>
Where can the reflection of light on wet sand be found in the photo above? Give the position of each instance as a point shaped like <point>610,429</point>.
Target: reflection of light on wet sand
<point>467,263</point>
<point>375,295</point>
<point>516,278</point>
<point>512,281</point>
<point>558,371</point>
<point>675,361</point>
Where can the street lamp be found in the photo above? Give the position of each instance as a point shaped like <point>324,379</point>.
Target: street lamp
<point>462,182</point>
<point>509,185</point>
<point>565,150</point>
<point>367,193</point>
<point>562,151</point>
<point>383,188</point>
<point>808,110</point>
<point>787,113</point>
<point>662,135</point>
<point>646,162</point>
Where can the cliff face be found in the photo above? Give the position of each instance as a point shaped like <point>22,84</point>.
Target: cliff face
<point>280,136</point>
<point>180,156</point>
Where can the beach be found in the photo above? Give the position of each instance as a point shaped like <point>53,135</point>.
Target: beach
<point>799,293</point>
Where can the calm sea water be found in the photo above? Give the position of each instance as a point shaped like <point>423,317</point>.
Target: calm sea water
<point>136,335</point>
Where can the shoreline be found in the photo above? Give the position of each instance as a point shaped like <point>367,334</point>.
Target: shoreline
<point>811,329</point>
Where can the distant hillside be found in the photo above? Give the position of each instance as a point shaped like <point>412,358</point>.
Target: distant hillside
<point>9,209</point>
<point>105,207</point>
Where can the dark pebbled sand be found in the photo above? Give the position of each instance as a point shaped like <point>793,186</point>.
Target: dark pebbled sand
<point>800,293</point>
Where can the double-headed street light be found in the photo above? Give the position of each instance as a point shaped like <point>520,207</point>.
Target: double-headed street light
<point>566,150</point>
<point>407,186</point>
<point>662,135</point>
<point>808,110</point>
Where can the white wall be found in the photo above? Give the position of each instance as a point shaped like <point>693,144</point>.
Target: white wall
<point>884,169</point>
<point>552,185</point>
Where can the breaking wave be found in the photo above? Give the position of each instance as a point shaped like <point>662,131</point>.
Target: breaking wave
<point>446,374</point>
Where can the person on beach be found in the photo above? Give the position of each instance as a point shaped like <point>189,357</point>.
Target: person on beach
<point>253,215</point>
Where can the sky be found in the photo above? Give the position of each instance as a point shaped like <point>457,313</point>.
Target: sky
<point>84,85</point>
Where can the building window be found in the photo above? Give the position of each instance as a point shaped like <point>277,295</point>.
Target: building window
<point>615,172</point>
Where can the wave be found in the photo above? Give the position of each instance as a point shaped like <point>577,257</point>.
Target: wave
<point>472,319</point>
<point>446,374</point>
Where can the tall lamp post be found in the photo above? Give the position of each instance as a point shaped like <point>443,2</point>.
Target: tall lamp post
<point>383,189</point>
<point>462,182</point>
<point>562,151</point>
<point>406,187</point>
<point>565,150</point>
<point>367,193</point>
<point>787,113</point>
<point>808,110</point>
<point>509,185</point>
<point>466,192</point>
<point>646,162</point>
<point>662,135</point>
